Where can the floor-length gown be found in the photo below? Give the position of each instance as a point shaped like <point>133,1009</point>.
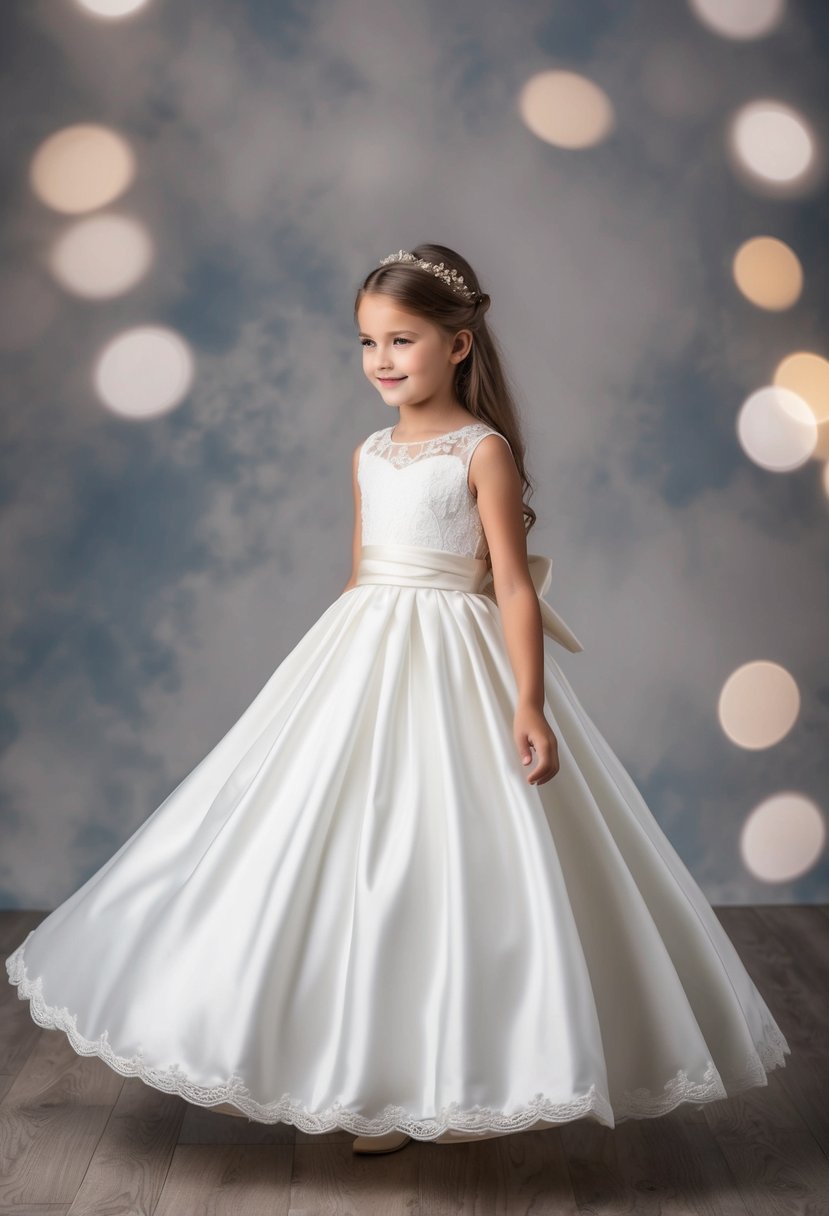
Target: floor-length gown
<point>356,912</point>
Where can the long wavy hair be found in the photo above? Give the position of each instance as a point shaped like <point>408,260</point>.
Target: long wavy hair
<point>480,383</point>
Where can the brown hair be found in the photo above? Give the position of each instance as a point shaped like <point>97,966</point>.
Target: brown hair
<point>480,384</point>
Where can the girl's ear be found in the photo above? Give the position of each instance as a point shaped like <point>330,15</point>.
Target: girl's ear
<point>460,343</point>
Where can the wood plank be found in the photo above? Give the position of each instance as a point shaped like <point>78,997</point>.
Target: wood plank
<point>128,1168</point>
<point>805,936</point>
<point>775,1168</point>
<point>51,1120</point>
<point>15,926</point>
<point>794,1102</point>
<point>232,1179</point>
<point>667,1164</point>
<point>203,1125</point>
<point>35,1209</point>
<point>790,993</point>
<point>19,1033</point>
<point>331,1178</point>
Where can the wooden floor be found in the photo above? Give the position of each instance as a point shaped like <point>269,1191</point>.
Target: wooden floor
<point>76,1137</point>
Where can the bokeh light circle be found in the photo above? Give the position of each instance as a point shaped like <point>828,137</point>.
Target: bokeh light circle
<point>768,273</point>
<point>81,168</point>
<point>758,704</point>
<point>772,141</point>
<point>776,429</point>
<point>739,18</point>
<point>102,256</point>
<point>783,837</point>
<point>566,109</point>
<point>807,374</point>
<point>111,8</point>
<point>144,372</point>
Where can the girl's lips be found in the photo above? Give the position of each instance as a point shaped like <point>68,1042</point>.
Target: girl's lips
<point>395,380</point>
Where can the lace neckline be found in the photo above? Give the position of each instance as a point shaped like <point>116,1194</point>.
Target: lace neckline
<point>412,443</point>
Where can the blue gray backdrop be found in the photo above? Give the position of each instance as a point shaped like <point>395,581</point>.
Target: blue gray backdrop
<point>157,571</point>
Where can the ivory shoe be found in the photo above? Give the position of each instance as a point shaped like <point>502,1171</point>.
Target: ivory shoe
<point>380,1144</point>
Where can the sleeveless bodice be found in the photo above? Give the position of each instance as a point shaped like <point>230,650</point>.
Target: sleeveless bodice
<point>418,493</point>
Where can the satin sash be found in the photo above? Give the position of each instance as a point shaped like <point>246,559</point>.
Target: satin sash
<point>417,566</point>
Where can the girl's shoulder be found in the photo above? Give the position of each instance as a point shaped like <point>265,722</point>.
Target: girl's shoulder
<point>376,438</point>
<point>375,444</point>
<point>380,433</point>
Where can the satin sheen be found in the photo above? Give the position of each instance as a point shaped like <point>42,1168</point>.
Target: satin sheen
<point>355,911</point>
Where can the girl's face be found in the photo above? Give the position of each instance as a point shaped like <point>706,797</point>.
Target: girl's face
<point>407,358</point>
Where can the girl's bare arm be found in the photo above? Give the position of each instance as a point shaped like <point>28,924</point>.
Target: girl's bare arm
<point>494,476</point>
<point>498,487</point>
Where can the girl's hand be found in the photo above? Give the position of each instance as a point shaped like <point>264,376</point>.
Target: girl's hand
<point>530,727</point>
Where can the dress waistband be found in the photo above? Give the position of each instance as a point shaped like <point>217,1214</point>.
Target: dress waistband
<point>417,566</point>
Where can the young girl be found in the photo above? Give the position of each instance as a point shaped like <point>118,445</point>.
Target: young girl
<point>362,909</point>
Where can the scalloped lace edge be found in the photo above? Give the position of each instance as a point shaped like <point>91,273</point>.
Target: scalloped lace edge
<point>635,1104</point>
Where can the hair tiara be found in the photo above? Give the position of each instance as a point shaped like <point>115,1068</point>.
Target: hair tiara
<point>440,270</point>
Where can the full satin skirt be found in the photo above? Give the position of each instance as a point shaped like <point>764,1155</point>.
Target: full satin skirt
<point>356,912</point>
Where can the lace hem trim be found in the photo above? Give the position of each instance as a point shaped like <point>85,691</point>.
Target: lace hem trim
<point>634,1104</point>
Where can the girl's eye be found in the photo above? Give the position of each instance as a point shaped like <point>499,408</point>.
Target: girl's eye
<point>363,341</point>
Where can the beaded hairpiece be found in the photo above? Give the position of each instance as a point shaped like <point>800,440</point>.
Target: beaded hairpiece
<point>439,269</point>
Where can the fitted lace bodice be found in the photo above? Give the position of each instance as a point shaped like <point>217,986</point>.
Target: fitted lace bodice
<point>418,493</point>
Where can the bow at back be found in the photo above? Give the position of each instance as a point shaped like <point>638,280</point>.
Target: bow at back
<point>541,573</point>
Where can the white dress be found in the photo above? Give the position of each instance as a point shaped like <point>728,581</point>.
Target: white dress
<point>356,912</point>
